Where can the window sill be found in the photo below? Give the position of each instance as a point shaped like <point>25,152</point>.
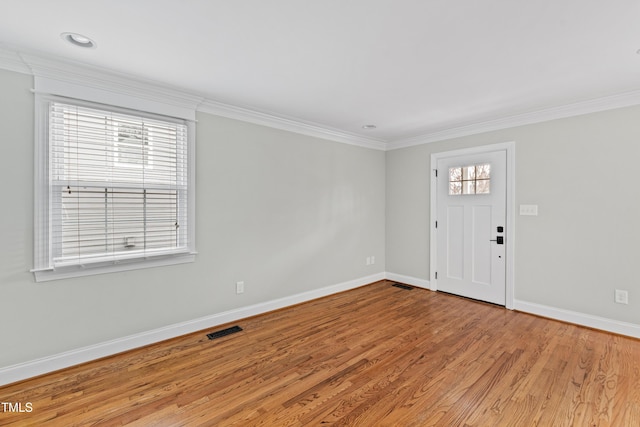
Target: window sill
<point>112,267</point>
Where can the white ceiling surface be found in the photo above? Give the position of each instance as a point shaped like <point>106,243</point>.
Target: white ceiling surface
<point>411,67</point>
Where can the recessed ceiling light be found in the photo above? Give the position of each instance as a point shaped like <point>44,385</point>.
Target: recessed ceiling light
<point>368,127</point>
<point>79,40</point>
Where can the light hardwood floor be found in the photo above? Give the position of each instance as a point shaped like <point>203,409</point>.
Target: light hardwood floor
<point>374,356</point>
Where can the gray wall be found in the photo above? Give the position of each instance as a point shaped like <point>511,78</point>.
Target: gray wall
<point>284,213</point>
<point>583,173</point>
<point>287,213</point>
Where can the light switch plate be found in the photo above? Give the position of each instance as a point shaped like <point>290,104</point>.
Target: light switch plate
<point>529,210</point>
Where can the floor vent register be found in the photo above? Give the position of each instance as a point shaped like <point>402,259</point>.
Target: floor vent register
<point>224,332</point>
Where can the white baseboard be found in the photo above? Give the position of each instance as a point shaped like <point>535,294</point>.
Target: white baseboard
<point>414,281</point>
<point>577,318</point>
<point>596,322</point>
<point>55,362</point>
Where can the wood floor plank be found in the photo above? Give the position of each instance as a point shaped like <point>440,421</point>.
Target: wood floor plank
<point>373,356</point>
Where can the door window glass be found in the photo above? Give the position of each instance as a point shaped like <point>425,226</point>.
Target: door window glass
<point>473,179</point>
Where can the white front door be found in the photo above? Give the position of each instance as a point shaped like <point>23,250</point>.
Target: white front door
<point>471,226</point>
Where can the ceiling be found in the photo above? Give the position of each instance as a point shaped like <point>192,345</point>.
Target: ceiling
<point>410,67</point>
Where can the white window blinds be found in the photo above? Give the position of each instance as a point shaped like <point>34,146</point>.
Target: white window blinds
<point>118,186</point>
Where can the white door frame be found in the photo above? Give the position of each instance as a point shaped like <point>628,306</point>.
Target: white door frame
<point>510,149</point>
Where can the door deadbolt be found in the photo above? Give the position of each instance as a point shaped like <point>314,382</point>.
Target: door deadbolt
<point>499,240</point>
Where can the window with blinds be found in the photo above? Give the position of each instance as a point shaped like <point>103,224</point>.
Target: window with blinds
<point>118,186</point>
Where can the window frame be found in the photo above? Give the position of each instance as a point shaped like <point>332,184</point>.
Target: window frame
<point>44,269</point>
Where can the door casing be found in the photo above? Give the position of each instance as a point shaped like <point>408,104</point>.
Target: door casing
<point>509,148</point>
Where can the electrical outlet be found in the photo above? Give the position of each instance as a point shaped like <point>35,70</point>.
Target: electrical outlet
<point>621,296</point>
<point>373,259</point>
<point>239,287</point>
<point>367,261</point>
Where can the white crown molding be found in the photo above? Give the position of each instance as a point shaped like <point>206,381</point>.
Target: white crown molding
<point>289,124</point>
<point>10,60</point>
<point>71,79</point>
<point>108,80</point>
<point>68,74</point>
<point>621,100</point>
